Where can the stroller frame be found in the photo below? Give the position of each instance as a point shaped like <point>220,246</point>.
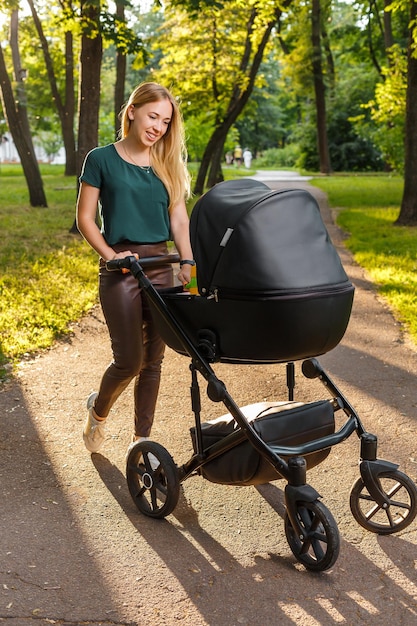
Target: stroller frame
<point>383,500</point>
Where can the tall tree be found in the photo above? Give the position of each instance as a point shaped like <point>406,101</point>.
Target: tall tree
<point>319,87</point>
<point>89,87</point>
<point>121,63</point>
<point>89,84</point>
<point>228,47</point>
<point>15,110</point>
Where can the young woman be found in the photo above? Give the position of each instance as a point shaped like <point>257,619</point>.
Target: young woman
<point>140,184</point>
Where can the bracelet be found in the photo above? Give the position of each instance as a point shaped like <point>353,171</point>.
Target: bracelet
<point>187,262</point>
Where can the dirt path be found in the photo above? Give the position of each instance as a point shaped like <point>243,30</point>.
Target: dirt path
<point>75,550</point>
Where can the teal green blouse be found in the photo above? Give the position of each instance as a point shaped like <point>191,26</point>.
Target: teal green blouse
<point>133,202</point>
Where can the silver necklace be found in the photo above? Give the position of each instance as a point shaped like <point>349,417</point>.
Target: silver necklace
<point>144,168</point>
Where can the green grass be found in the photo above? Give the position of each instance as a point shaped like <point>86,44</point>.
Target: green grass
<point>47,276</point>
<point>368,207</point>
<point>361,191</point>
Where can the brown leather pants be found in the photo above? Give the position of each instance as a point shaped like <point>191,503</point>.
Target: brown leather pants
<point>137,348</point>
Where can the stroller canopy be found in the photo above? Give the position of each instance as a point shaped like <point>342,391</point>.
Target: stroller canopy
<point>250,241</point>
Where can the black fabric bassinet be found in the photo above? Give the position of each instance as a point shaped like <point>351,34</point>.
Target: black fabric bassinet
<point>251,242</point>
<point>272,287</point>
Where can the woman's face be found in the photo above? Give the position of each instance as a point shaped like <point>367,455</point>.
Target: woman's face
<point>150,122</point>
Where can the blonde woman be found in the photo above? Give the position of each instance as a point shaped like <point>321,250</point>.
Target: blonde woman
<point>140,184</point>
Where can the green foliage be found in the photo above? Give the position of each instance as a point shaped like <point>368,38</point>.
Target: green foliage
<point>41,111</point>
<point>276,158</point>
<point>350,86</point>
<point>272,113</point>
<point>198,131</point>
<point>50,141</point>
<point>207,77</point>
<point>387,111</point>
<point>349,149</point>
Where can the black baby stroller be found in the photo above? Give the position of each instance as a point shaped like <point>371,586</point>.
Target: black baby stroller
<point>271,290</point>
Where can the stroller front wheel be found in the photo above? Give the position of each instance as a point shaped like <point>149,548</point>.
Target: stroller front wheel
<point>152,479</point>
<point>318,548</point>
<point>397,514</point>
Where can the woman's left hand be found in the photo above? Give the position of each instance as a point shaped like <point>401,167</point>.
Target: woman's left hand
<point>184,275</point>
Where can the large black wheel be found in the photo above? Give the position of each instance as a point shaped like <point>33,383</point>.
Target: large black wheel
<point>152,478</point>
<point>318,548</point>
<point>401,492</point>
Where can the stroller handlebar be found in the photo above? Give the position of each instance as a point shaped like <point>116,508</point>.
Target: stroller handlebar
<point>152,261</point>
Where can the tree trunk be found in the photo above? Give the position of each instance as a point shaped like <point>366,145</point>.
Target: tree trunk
<point>89,90</point>
<point>319,89</point>
<point>388,36</point>
<point>215,173</point>
<point>16,114</point>
<point>212,158</point>
<point>119,88</point>
<point>408,211</point>
<point>372,6</point>
<point>68,131</point>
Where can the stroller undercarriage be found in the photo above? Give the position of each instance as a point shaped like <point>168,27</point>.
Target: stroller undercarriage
<point>383,500</point>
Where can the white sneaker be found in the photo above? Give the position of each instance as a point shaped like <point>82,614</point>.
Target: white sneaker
<point>93,433</point>
<point>152,458</point>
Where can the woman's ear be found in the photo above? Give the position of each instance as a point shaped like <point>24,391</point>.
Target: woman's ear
<point>130,112</point>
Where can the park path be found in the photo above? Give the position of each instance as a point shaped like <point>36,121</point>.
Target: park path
<point>75,551</point>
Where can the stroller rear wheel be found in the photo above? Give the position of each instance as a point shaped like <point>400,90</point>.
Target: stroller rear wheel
<point>318,549</point>
<point>152,478</point>
<point>401,492</point>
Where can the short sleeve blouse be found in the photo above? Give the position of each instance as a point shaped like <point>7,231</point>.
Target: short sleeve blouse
<point>133,201</point>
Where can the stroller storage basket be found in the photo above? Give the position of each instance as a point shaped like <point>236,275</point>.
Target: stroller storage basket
<point>280,424</point>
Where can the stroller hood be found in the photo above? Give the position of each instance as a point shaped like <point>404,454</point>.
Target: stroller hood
<point>247,239</point>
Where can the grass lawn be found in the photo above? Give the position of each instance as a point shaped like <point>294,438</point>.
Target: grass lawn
<point>48,276</point>
<point>368,207</point>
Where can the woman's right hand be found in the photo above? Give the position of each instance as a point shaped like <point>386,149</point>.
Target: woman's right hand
<point>122,255</point>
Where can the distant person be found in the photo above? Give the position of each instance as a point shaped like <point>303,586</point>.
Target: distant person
<point>247,158</point>
<point>237,156</point>
<point>229,158</point>
<point>140,184</point>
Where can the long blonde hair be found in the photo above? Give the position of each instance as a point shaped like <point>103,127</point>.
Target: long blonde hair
<point>168,154</point>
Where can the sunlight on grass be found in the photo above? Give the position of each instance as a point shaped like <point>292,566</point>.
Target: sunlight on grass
<point>48,277</point>
<point>37,306</point>
<point>361,191</point>
<point>388,253</point>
